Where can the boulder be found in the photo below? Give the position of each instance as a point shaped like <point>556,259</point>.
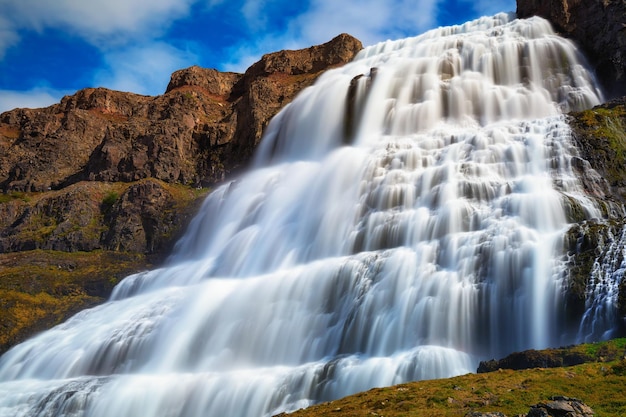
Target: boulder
<point>560,406</point>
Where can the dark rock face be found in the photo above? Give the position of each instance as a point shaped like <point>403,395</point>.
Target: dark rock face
<point>549,358</point>
<point>597,26</point>
<point>599,135</point>
<point>555,358</point>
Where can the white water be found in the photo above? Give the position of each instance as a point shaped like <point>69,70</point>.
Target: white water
<point>607,275</point>
<point>406,240</point>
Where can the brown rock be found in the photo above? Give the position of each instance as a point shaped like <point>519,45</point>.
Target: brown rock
<point>204,126</point>
<point>213,82</point>
<point>273,82</point>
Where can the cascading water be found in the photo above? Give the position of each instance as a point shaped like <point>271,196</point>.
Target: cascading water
<point>403,221</point>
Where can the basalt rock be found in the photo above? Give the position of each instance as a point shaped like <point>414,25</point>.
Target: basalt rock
<point>560,406</point>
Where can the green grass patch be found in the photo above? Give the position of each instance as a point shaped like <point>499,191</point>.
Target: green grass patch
<point>39,289</point>
<point>506,391</point>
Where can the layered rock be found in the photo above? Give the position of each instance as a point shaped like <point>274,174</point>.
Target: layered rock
<point>106,181</point>
<point>561,406</point>
<point>205,126</point>
<point>597,26</point>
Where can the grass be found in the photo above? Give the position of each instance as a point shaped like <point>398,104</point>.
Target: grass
<point>15,195</point>
<point>599,385</point>
<point>39,289</point>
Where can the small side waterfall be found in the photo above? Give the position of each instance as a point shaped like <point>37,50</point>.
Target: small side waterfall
<point>404,220</point>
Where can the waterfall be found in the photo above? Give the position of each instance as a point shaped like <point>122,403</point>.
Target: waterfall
<point>403,220</point>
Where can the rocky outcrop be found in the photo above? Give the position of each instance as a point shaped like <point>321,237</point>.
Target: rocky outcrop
<point>205,125</point>
<point>560,406</point>
<point>550,358</point>
<point>597,26</point>
<point>140,217</point>
<point>555,358</point>
<point>101,184</point>
<point>599,135</point>
<point>271,83</point>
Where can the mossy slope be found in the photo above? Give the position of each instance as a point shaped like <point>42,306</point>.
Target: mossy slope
<point>599,384</point>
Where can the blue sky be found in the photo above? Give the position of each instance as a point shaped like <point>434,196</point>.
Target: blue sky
<point>50,48</point>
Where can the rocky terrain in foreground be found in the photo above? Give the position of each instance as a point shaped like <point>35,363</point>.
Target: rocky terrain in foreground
<point>541,385</point>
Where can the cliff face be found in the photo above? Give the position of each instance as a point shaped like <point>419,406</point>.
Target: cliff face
<point>597,26</point>
<point>204,126</point>
<point>109,175</point>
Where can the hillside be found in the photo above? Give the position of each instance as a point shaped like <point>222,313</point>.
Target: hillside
<point>102,184</point>
<point>598,383</point>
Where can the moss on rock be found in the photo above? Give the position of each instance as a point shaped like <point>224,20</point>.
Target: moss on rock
<point>39,289</point>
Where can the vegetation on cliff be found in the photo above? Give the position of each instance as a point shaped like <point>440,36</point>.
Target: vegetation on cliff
<point>39,289</point>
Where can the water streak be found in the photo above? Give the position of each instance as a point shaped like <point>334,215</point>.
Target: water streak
<point>404,220</point>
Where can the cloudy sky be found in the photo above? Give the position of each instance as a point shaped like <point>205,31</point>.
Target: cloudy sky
<point>52,48</point>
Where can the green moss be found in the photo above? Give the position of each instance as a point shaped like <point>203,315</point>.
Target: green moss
<point>605,129</point>
<point>39,289</point>
<point>15,195</point>
<point>506,391</point>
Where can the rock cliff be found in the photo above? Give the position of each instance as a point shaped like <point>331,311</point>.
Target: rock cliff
<point>204,126</point>
<point>120,174</point>
<point>597,26</point>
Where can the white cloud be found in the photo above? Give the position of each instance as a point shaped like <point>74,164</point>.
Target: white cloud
<point>34,98</point>
<point>252,11</point>
<point>143,69</point>
<point>8,35</point>
<point>99,22</point>
<point>371,21</point>
<point>489,7</point>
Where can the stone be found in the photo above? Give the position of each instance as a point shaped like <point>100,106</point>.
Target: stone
<point>561,406</point>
